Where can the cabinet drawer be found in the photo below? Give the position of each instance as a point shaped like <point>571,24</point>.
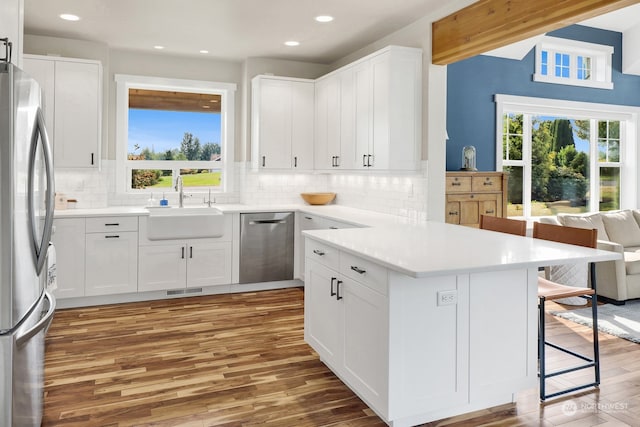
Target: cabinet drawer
<point>324,254</point>
<point>458,184</point>
<point>486,183</point>
<point>365,272</point>
<point>108,224</point>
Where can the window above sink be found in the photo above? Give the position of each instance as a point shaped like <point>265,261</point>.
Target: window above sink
<point>168,128</point>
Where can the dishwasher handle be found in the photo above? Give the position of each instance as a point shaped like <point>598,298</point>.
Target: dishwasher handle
<point>267,221</point>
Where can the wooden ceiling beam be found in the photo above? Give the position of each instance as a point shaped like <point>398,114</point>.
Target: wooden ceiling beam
<point>174,101</point>
<point>490,24</point>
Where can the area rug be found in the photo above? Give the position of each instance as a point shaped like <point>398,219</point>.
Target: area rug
<point>620,320</point>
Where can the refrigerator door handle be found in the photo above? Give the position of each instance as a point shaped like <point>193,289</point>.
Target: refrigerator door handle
<point>43,323</point>
<point>41,246</point>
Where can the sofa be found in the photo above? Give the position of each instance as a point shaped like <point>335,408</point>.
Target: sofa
<point>618,231</point>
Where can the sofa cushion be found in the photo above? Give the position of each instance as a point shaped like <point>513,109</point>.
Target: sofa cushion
<point>636,215</point>
<point>632,260</point>
<point>589,221</point>
<point>622,228</point>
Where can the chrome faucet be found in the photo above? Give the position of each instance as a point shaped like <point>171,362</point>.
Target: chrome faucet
<point>180,190</point>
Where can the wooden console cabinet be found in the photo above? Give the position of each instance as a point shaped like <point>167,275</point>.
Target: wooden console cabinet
<point>471,194</point>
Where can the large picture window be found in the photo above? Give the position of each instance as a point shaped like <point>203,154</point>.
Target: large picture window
<point>565,157</point>
<point>169,128</point>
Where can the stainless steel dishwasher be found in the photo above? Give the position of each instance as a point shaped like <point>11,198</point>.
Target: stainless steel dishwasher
<point>266,246</point>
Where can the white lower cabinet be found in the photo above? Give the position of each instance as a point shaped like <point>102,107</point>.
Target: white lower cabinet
<point>111,263</point>
<point>346,322</point>
<point>69,241</point>
<point>421,349</point>
<point>191,263</point>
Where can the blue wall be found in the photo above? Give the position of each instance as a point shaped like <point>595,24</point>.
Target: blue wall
<point>472,84</point>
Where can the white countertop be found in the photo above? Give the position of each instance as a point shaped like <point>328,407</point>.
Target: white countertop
<point>353,216</point>
<point>433,249</point>
<point>418,249</point>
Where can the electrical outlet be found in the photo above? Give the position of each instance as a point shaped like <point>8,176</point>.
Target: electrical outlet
<point>447,297</point>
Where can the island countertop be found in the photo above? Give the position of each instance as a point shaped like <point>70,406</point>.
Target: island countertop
<point>434,248</point>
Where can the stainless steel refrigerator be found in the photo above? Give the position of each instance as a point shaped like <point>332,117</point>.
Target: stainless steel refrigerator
<point>26,216</point>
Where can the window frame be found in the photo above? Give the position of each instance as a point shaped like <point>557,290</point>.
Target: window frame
<point>629,131</point>
<point>124,82</point>
<point>600,60</point>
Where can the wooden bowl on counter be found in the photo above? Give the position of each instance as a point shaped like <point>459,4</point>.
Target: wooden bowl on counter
<point>318,198</point>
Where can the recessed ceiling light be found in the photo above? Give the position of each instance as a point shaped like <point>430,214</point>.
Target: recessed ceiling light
<point>291,43</point>
<point>324,18</point>
<point>69,17</point>
<point>158,47</point>
<point>204,51</point>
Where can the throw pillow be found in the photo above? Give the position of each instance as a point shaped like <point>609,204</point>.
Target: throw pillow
<point>590,221</point>
<point>622,228</point>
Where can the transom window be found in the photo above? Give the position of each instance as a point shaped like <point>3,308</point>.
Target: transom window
<point>571,62</point>
<point>566,157</point>
<point>169,128</point>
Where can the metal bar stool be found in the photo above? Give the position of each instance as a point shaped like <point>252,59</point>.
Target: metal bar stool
<point>549,291</point>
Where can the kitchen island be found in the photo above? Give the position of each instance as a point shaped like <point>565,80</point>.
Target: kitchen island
<point>430,321</point>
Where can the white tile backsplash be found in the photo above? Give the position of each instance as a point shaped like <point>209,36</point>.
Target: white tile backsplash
<point>403,194</point>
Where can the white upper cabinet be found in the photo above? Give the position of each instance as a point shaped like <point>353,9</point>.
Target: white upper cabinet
<point>369,113</point>
<point>282,123</point>
<point>72,90</point>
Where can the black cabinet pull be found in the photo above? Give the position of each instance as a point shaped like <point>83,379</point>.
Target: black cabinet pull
<point>112,237</point>
<point>454,184</point>
<point>337,161</point>
<point>190,251</point>
<point>453,213</point>
<point>333,161</point>
<point>358,270</point>
<point>182,256</point>
<point>338,296</point>
<point>318,252</point>
<point>333,293</point>
<point>112,224</point>
<point>91,158</point>
<point>295,162</point>
<point>264,160</point>
<point>369,156</point>
<point>364,160</point>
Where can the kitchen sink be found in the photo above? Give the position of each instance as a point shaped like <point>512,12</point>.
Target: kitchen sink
<point>184,223</point>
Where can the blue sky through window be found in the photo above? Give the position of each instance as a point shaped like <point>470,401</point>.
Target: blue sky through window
<point>163,130</point>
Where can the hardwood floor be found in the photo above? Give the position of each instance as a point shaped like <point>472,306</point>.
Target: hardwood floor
<point>241,360</point>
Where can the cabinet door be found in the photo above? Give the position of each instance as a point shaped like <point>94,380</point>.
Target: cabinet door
<point>327,124</point>
<point>69,241</point>
<point>162,267</point>
<point>363,97</point>
<point>302,104</point>
<point>112,261</point>
<point>469,212</point>
<point>323,313</point>
<point>366,337</point>
<point>490,207</point>
<point>77,114</point>
<point>380,99</point>
<point>208,264</point>
<point>44,73</point>
<point>453,213</point>
<point>348,148</point>
<point>273,124</point>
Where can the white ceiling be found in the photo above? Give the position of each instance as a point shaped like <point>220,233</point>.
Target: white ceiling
<point>237,29</point>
